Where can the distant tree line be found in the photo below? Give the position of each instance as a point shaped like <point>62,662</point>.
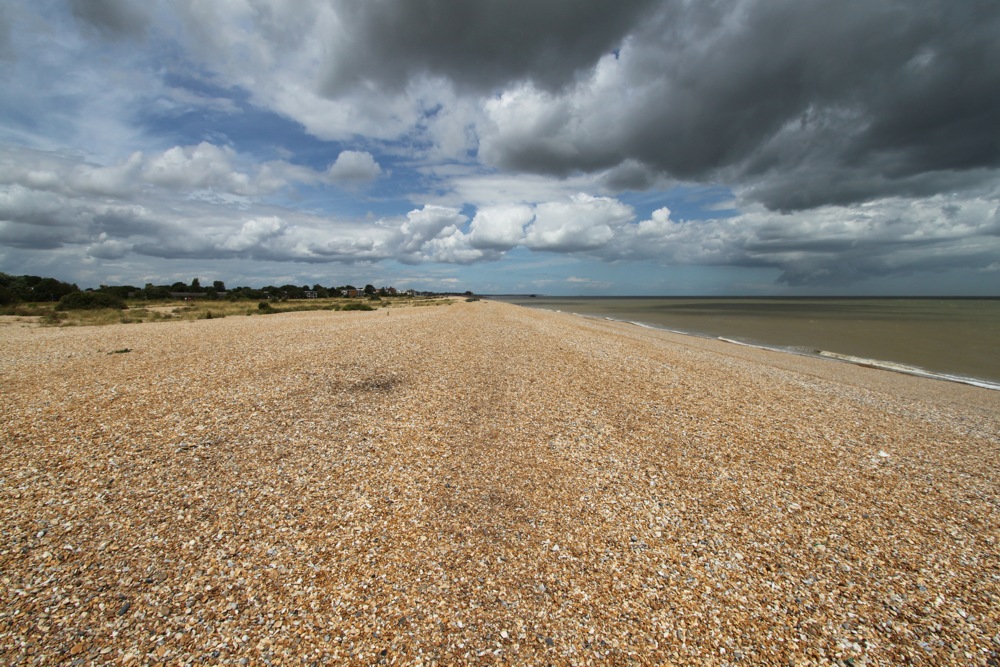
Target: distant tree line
<point>32,288</point>
<point>14,289</point>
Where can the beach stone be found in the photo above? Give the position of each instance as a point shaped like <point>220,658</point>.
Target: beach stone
<point>472,483</point>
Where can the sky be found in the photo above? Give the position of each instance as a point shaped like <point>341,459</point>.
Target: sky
<point>591,147</point>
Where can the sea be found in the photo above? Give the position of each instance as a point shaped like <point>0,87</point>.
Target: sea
<point>956,339</point>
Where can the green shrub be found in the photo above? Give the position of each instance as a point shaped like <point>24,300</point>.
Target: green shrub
<point>90,301</point>
<point>357,305</point>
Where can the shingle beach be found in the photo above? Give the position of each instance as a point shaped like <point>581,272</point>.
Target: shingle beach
<point>480,483</point>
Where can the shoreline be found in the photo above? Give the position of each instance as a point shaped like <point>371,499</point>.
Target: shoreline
<point>483,483</point>
<point>881,364</point>
<point>932,388</point>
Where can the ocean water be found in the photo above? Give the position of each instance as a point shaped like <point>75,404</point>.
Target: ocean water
<point>957,339</point>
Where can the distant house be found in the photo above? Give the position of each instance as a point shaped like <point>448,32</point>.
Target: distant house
<point>352,292</point>
<point>309,294</point>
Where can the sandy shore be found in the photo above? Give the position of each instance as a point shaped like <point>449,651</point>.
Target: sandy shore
<point>481,483</point>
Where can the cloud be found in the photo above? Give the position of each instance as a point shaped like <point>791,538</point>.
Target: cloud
<point>201,201</point>
<point>478,46</point>
<point>765,96</point>
<point>118,180</point>
<point>106,248</point>
<point>424,225</point>
<point>830,246</point>
<point>499,228</point>
<point>458,185</point>
<point>771,95</point>
<point>254,233</point>
<point>579,282</point>
<point>186,170</point>
<point>851,140</point>
<point>112,18</point>
<point>7,52</point>
<point>131,209</point>
<point>583,223</point>
<point>37,207</point>
<point>201,166</point>
<point>354,168</point>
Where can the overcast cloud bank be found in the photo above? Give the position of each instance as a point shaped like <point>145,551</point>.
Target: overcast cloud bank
<point>856,140</point>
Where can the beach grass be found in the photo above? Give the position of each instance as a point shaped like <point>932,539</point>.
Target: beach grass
<point>140,311</point>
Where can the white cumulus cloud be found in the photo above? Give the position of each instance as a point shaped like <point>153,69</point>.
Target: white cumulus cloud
<point>499,227</point>
<point>201,166</point>
<point>354,168</point>
<point>583,223</point>
<point>253,233</point>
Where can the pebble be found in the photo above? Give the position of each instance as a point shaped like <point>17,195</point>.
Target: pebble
<point>475,483</point>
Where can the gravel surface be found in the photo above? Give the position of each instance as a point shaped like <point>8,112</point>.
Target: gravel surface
<point>481,483</point>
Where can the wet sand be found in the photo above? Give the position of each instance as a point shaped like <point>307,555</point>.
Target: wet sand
<point>481,483</point>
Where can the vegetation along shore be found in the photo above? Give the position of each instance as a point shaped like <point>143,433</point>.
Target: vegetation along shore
<point>483,483</point>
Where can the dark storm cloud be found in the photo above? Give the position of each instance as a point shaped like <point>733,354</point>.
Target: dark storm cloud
<point>813,185</point>
<point>27,237</point>
<point>477,45</point>
<point>629,175</point>
<point>806,102</point>
<point>112,18</point>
